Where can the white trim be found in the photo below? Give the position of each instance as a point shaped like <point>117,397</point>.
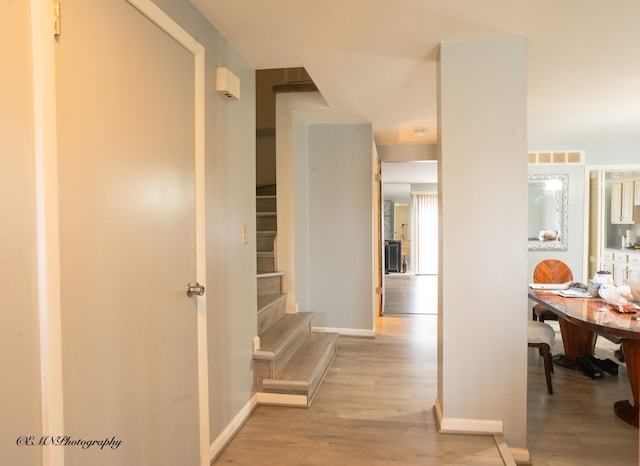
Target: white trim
<point>232,428</point>
<point>47,237</point>
<point>465,426</point>
<point>168,25</point>
<point>520,455</point>
<point>348,332</point>
<point>282,399</point>
<point>503,449</point>
<point>270,275</point>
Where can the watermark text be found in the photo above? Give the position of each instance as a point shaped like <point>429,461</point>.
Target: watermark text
<point>67,441</point>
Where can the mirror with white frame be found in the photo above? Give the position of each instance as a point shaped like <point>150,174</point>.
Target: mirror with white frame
<point>548,212</point>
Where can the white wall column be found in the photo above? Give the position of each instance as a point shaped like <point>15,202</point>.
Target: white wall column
<point>482,350</point>
<point>286,147</point>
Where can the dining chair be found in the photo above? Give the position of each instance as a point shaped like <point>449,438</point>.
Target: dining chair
<point>549,271</point>
<point>542,336</point>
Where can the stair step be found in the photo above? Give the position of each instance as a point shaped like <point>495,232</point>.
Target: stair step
<point>266,221</point>
<point>266,262</point>
<point>265,241</point>
<point>305,371</point>
<point>292,360</point>
<point>266,203</point>
<point>270,309</point>
<point>280,341</point>
<point>266,190</point>
<point>270,283</point>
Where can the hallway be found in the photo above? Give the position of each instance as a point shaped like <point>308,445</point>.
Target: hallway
<point>411,294</point>
<point>375,408</point>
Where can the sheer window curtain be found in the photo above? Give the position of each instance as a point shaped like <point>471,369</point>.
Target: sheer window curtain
<point>425,233</point>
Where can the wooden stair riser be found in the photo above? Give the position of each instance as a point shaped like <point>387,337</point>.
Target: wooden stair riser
<point>265,263</point>
<point>269,314</point>
<point>266,223</point>
<point>308,371</point>
<point>269,285</point>
<point>290,332</point>
<point>265,241</point>
<point>266,204</point>
<point>299,338</point>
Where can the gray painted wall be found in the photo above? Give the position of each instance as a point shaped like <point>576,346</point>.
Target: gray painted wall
<point>340,226</point>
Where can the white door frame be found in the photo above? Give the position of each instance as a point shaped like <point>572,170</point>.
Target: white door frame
<point>47,238</point>
<point>48,245</point>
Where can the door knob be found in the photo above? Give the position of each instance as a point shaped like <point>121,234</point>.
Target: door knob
<point>194,288</point>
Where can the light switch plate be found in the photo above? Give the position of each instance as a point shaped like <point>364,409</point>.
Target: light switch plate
<point>245,234</point>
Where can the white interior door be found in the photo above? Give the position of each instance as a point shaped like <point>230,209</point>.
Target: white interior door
<point>126,126</point>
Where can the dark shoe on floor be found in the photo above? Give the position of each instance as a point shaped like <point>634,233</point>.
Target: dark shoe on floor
<point>606,365</point>
<point>588,368</point>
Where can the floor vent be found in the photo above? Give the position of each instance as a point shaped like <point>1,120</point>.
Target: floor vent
<point>546,158</point>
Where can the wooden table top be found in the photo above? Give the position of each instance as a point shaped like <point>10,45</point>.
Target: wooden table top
<point>590,312</point>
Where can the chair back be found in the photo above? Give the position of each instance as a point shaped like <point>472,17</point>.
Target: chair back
<point>552,271</point>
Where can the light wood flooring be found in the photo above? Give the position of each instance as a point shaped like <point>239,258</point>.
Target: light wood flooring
<point>576,425</point>
<point>375,408</point>
<point>410,294</point>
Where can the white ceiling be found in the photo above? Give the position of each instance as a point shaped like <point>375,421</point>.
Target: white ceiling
<point>376,59</point>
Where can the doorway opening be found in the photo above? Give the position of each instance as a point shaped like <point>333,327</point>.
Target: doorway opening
<point>410,237</point>
<point>613,220</point>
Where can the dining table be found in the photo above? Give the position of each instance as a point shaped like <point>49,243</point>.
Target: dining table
<point>581,320</point>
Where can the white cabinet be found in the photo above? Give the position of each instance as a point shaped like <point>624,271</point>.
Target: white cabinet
<point>627,204</point>
<point>607,260</point>
<point>623,203</point>
<point>636,192</point>
<point>616,202</point>
<point>620,267</point>
<point>633,272</point>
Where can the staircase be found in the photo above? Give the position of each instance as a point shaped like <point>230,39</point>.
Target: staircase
<point>292,360</point>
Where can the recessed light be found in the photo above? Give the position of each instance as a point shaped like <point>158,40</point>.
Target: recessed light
<point>419,132</point>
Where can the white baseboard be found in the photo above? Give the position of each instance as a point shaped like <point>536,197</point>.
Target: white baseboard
<point>232,428</point>
<point>447,425</point>
<point>347,332</point>
<point>282,399</point>
<point>504,450</point>
<point>520,455</point>
<point>479,427</point>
